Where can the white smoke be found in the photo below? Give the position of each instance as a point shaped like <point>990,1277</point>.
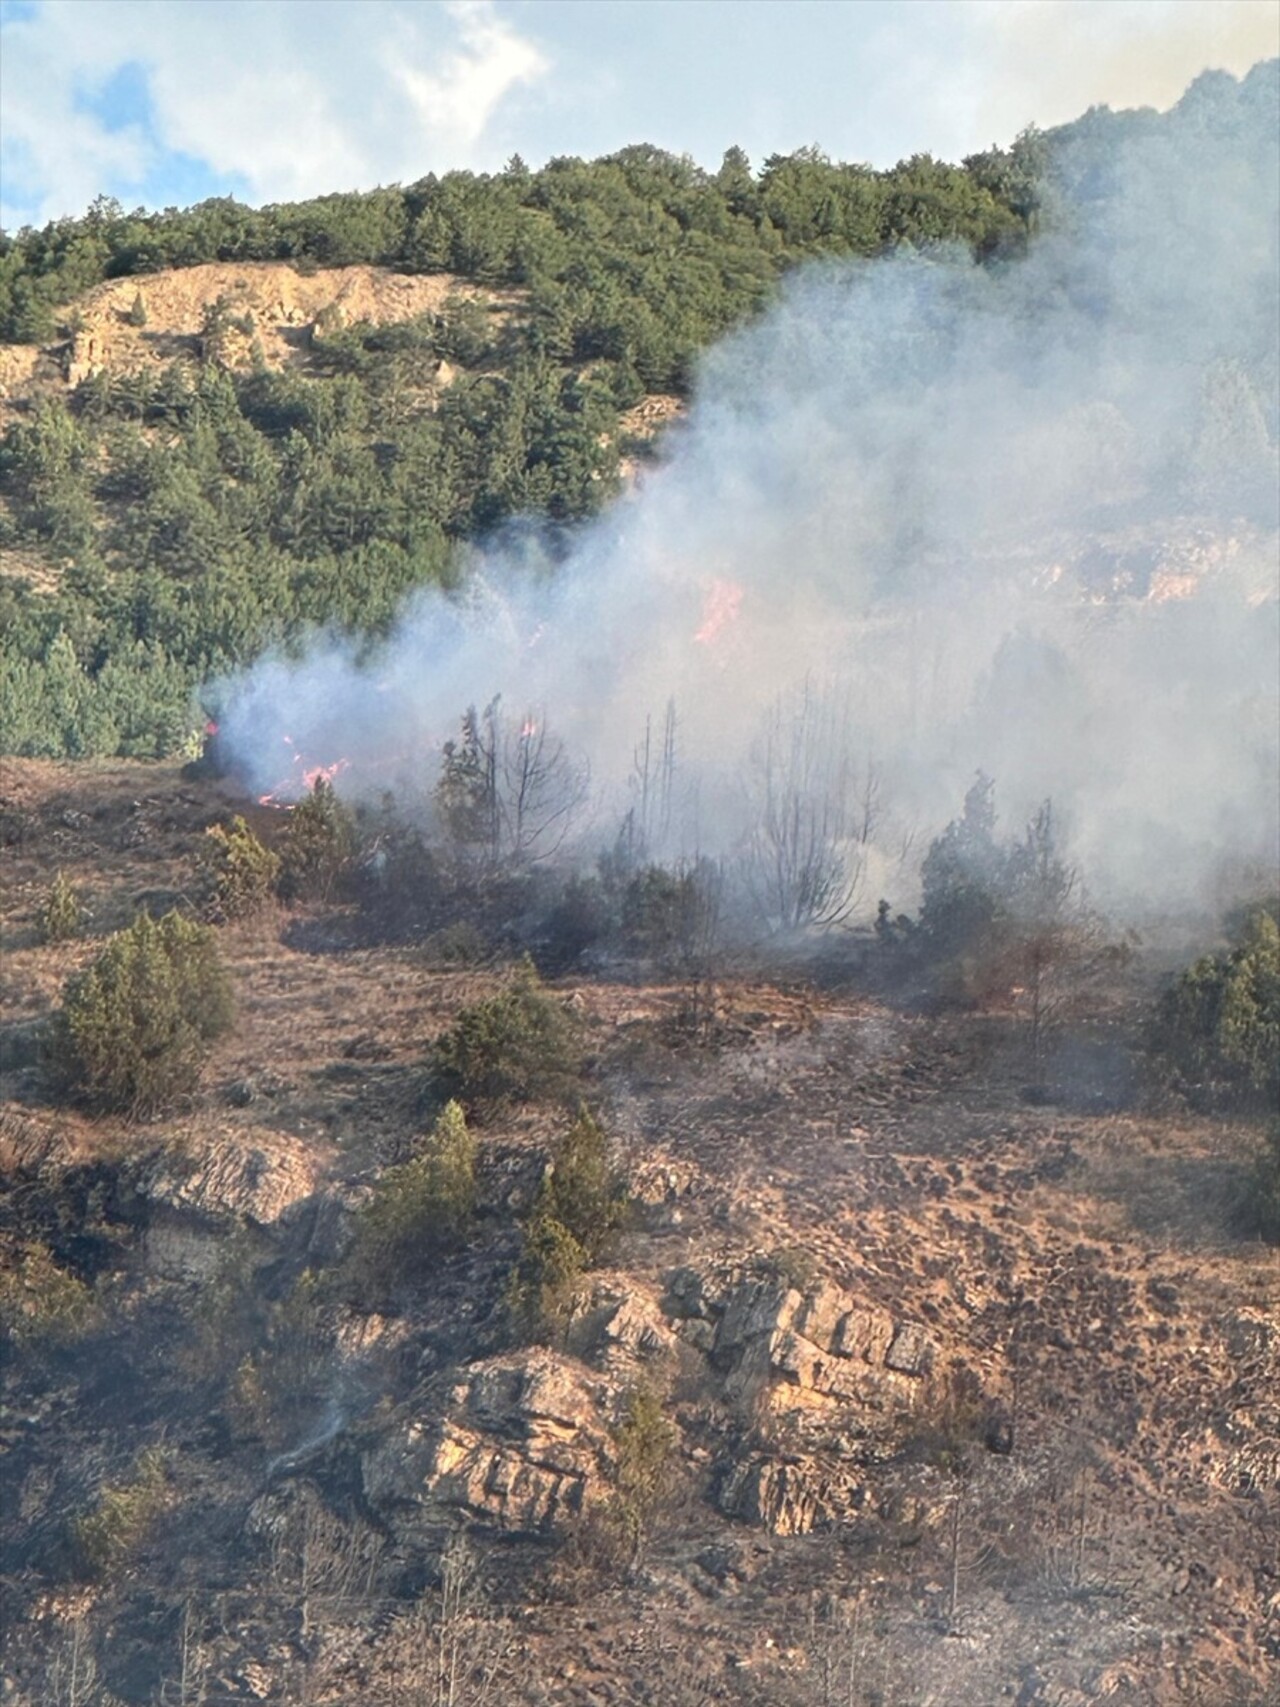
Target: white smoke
<point>1014,518</point>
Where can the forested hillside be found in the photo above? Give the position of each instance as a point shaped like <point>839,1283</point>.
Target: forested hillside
<point>165,522</point>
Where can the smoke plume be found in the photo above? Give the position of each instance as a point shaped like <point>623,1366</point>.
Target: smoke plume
<point>1017,518</point>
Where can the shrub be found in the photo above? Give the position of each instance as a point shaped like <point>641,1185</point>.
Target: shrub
<point>419,1208</point>
<point>544,1282</point>
<point>579,1205</point>
<point>134,1027</point>
<point>318,844</point>
<point>61,915</point>
<point>244,871</point>
<point>137,315</point>
<point>41,1303</point>
<point>517,1044</point>
<point>582,1190</point>
<point>1218,1026</point>
<point>120,1517</point>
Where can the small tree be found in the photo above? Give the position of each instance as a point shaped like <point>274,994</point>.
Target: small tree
<point>61,915</point>
<point>579,1205</point>
<point>1218,1026</point>
<point>419,1208</point>
<point>507,790</point>
<point>244,871</point>
<point>134,1027</point>
<point>644,1446</point>
<point>137,315</point>
<point>318,844</point>
<point>517,1044</point>
<point>582,1189</point>
<point>544,1281</point>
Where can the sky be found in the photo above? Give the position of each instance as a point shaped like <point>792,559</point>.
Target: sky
<point>163,102</point>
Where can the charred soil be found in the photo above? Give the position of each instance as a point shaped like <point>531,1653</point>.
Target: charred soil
<point>971,1397</point>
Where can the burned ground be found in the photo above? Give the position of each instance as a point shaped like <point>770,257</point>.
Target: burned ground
<point>975,1395</point>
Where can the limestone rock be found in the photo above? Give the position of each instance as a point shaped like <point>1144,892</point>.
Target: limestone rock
<point>516,1443</point>
<point>791,1496</point>
<point>188,1196</point>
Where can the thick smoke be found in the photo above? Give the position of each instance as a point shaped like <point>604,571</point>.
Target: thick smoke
<point>1017,518</point>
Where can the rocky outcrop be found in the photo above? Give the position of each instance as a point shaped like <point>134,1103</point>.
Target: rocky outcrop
<point>191,1193</point>
<point>788,1496</point>
<point>517,1443</point>
<point>821,1342</point>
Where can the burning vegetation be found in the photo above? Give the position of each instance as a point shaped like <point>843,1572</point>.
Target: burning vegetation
<point>694,1120</point>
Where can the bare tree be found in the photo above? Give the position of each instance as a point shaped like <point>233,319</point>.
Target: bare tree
<point>816,811</point>
<point>509,790</point>
<point>71,1678</point>
<point>652,786</point>
<point>1058,946</point>
<point>453,1649</point>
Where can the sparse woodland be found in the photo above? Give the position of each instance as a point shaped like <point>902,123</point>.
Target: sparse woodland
<point>441,1266</point>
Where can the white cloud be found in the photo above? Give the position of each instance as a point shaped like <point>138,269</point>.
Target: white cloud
<point>288,99</point>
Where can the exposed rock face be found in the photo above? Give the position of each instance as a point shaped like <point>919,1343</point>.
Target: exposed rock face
<point>788,1496</point>
<point>518,1443</point>
<point>822,1343</point>
<point>190,1194</point>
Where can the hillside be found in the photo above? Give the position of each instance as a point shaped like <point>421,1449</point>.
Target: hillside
<point>973,1396</point>
<point>639,948</point>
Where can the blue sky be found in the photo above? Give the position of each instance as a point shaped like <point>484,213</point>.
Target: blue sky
<point>162,102</point>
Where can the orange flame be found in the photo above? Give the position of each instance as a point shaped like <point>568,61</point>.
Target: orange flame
<point>282,794</point>
<point>719,609</point>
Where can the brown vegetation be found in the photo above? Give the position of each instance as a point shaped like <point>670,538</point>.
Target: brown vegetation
<point>967,1394</point>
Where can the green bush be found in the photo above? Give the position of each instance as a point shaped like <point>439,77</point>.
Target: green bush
<point>419,1208</point>
<point>544,1282</point>
<point>134,1027</point>
<point>244,871</point>
<point>121,1517</point>
<point>582,1189</point>
<point>579,1206</point>
<point>1218,1027</point>
<point>41,1303</point>
<point>318,845</point>
<point>518,1044</point>
<point>61,915</point>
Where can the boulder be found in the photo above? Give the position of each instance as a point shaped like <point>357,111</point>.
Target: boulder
<point>516,1443</point>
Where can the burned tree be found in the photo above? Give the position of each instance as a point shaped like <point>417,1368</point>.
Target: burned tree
<point>815,812</point>
<point>508,791</point>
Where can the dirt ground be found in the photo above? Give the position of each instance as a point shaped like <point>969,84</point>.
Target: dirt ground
<point>1076,1262</point>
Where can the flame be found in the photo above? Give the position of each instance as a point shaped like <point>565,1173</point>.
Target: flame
<point>284,793</point>
<point>719,609</point>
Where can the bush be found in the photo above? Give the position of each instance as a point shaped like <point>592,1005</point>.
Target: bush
<point>1218,1027</point>
<point>134,1027</point>
<point>61,915</point>
<point>579,1206</point>
<point>41,1303</point>
<point>420,1208</point>
<point>582,1190</point>
<point>244,870</point>
<point>120,1518</point>
<point>318,845</point>
<point>518,1044</point>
